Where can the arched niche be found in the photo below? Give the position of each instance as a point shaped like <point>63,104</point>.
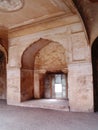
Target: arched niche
<point>95,72</point>
<point>31,75</point>
<point>50,65</point>
<point>27,69</point>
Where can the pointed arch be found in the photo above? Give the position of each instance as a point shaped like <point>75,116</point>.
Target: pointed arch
<point>27,68</point>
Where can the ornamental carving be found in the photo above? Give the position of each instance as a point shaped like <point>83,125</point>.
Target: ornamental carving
<point>10,5</point>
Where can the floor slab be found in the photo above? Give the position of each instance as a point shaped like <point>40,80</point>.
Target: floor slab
<point>24,118</point>
<point>55,104</point>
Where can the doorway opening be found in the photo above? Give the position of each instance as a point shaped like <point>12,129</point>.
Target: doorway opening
<point>95,72</point>
<point>2,75</point>
<point>55,86</point>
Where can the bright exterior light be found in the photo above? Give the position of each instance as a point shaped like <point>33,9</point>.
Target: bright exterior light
<point>58,88</point>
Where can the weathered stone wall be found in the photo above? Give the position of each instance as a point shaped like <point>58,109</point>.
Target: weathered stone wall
<point>13,85</point>
<point>51,58</point>
<point>27,84</point>
<point>78,59</point>
<point>80,88</point>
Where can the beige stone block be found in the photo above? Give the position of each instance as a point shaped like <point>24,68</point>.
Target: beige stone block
<point>36,85</point>
<point>13,85</point>
<point>79,43</point>
<point>13,98</point>
<point>80,87</point>
<point>14,57</point>
<point>76,27</point>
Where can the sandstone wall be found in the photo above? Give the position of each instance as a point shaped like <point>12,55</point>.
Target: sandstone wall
<point>78,60</point>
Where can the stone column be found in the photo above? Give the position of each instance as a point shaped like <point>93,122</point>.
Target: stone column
<point>13,85</point>
<point>80,87</point>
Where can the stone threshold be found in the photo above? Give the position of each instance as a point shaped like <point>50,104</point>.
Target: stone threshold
<point>54,104</point>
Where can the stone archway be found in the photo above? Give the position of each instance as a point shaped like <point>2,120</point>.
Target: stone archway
<point>95,72</point>
<point>27,69</point>
<point>32,74</point>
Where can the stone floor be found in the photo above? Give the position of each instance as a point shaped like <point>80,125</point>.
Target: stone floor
<point>24,118</point>
<point>55,104</point>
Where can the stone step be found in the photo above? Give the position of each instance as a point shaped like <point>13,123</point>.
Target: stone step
<point>53,104</point>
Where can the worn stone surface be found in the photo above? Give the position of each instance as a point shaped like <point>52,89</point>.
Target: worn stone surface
<point>13,85</point>
<point>80,87</point>
<point>27,86</point>
<point>47,35</point>
<point>73,49</point>
<point>51,58</point>
<point>52,37</point>
<point>20,118</point>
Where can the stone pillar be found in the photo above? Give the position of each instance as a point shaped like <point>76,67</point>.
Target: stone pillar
<point>13,85</point>
<point>80,87</point>
<point>36,85</point>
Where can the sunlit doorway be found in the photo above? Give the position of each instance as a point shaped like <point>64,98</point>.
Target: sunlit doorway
<point>55,86</point>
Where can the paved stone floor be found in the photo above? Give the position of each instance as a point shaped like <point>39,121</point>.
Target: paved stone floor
<point>21,118</point>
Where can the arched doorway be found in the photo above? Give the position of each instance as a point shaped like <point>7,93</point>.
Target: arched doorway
<point>95,72</point>
<point>2,75</point>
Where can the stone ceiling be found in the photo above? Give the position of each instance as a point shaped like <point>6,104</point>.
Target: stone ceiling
<point>17,13</point>
<point>11,5</point>
<point>14,13</point>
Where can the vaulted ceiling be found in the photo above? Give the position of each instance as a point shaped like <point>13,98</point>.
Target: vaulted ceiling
<point>30,11</point>
<point>17,13</point>
<point>89,12</point>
